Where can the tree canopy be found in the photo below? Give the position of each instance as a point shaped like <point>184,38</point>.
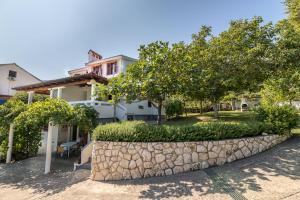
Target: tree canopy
<point>29,120</point>
<point>293,10</point>
<point>152,77</point>
<point>248,56</point>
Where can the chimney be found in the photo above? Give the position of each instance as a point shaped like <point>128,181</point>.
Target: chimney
<point>94,56</point>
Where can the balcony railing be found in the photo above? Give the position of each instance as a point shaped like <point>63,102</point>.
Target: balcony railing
<point>105,109</point>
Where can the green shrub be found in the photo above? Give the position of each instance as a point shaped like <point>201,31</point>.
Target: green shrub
<point>138,131</point>
<point>282,118</point>
<point>174,108</point>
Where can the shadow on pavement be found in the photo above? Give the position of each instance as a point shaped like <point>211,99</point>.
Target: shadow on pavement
<point>29,174</point>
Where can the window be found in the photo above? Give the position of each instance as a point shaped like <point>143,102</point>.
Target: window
<point>12,74</point>
<point>98,70</point>
<point>112,68</point>
<point>116,68</point>
<point>149,104</point>
<point>141,107</point>
<point>109,70</point>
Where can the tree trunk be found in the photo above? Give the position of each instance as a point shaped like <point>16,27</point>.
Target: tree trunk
<point>201,106</point>
<point>159,113</point>
<point>185,111</point>
<point>233,104</point>
<point>291,102</point>
<point>115,112</point>
<point>216,113</point>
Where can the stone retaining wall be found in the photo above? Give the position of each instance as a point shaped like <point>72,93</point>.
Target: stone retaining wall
<point>130,160</point>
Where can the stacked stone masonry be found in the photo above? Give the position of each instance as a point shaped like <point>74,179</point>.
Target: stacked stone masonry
<point>131,160</point>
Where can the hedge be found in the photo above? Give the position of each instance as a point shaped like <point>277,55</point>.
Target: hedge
<point>138,131</point>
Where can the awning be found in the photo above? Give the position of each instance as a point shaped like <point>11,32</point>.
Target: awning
<point>43,87</point>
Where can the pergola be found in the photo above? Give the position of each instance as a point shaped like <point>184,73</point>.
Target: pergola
<point>49,87</point>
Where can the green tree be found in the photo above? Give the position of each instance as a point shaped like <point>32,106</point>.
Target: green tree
<point>174,108</point>
<point>8,112</point>
<point>286,56</point>
<point>231,97</point>
<point>28,124</point>
<point>115,89</point>
<point>23,96</point>
<point>281,88</point>
<point>239,59</point>
<point>293,8</point>
<point>193,78</point>
<point>85,117</point>
<point>152,77</point>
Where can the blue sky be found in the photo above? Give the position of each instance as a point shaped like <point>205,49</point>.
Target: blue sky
<point>50,37</point>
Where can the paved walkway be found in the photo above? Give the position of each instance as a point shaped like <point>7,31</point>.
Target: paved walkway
<point>274,174</point>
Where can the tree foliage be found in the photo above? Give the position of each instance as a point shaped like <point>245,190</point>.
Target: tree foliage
<point>85,117</point>
<point>293,8</point>
<point>236,60</point>
<point>174,108</point>
<point>28,124</point>
<point>8,112</point>
<point>23,96</point>
<point>284,88</point>
<point>152,77</point>
<point>248,56</point>
<point>29,120</point>
<point>115,89</point>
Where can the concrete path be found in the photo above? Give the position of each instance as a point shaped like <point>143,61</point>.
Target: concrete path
<point>274,174</point>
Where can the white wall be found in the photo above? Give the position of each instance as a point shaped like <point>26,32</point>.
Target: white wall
<point>133,108</point>
<point>125,63</point>
<point>23,78</point>
<point>122,63</point>
<point>76,93</point>
<point>44,134</point>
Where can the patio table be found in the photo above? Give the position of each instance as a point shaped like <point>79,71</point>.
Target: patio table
<point>67,146</point>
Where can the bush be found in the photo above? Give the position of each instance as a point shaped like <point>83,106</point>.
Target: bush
<point>174,108</point>
<point>23,96</point>
<point>282,118</point>
<point>138,131</point>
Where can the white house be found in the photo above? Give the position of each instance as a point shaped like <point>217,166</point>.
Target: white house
<point>12,75</point>
<point>79,88</point>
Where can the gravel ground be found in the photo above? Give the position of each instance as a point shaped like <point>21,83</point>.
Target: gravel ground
<point>274,174</point>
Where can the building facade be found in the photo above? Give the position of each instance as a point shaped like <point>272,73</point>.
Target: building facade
<point>11,76</point>
<point>79,88</point>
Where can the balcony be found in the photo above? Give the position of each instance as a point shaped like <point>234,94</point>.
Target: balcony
<point>104,109</point>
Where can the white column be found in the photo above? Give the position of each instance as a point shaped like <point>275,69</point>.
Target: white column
<point>49,141</point>
<point>10,143</point>
<point>93,89</point>
<point>59,92</point>
<point>69,133</point>
<point>51,93</point>
<point>48,149</point>
<point>30,96</point>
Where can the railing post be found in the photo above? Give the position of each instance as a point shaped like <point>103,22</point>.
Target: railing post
<point>10,143</point>
<point>93,89</point>
<point>30,96</point>
<point>49,149</point>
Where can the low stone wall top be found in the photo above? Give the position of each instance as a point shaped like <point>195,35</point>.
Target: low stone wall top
<point>130,160</point>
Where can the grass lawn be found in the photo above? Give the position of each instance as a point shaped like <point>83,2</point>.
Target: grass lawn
<point>229,116</point>
<point>296,131</point>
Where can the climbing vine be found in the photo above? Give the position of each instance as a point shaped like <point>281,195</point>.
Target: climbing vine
<point>85,117</point>
<point>28,124</point>
<point>8,112</point>
<point>29,120</point>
